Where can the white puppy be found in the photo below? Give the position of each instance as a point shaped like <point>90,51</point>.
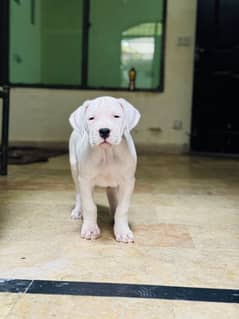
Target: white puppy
<point>102,153</point>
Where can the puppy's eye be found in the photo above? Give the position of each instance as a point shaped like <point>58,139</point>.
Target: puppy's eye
<point>117,116</point>
<point>91,118</point>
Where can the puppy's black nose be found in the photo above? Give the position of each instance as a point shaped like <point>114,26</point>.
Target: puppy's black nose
<point>104,132</point>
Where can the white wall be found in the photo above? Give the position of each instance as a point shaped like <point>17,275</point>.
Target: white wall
<point>41,115</point>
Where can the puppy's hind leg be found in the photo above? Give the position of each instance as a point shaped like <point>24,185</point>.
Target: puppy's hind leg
<point>76,211</point>
<point>112,194</point>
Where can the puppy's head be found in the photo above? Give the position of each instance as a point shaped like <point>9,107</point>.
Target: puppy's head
<point>104,119</point>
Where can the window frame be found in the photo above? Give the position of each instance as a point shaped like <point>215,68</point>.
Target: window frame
<point>5,67</point>
<point>4,42</point>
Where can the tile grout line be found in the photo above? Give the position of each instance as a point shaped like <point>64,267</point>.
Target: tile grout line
<point>12,307</point>
<point>28,287</point>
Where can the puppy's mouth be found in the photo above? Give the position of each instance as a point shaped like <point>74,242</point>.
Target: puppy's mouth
<point>105,142</point>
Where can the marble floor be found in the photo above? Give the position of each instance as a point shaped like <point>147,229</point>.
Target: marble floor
<point>185,217</point>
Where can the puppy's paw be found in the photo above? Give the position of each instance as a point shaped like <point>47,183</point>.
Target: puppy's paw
<point>75,213</point>
<point>123,234</point>
<point>90,231</point>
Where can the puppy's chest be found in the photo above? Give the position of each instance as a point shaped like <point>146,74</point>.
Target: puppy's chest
<point>108,174</point>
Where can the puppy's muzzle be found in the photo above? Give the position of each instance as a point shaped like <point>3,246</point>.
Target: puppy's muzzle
<point>104,132</point>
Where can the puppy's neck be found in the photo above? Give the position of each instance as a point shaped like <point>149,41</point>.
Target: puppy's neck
<point>109,152</point>
<point>106,154</point>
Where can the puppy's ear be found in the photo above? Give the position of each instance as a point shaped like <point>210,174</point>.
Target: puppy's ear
<point>132,115</point>
<point>77,118</point>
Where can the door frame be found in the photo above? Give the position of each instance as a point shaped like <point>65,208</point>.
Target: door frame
<point>4,83</point>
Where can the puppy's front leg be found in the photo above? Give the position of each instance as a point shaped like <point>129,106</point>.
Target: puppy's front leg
<point>90,229</point>
<point>121,227</point>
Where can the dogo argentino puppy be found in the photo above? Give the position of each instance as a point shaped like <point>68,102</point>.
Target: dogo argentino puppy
<point>102,153</point>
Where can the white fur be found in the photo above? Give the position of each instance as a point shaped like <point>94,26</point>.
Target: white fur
<point>109,162</point>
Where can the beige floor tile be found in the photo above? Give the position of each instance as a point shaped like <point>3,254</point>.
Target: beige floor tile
<point>207,268</point>
<point>163,235</point>
<point>71,258</point>
<point>75,307</point>
<point>7,302</point>
<point>204,310</point>
<point>197,209</point>
<point>216,236</point>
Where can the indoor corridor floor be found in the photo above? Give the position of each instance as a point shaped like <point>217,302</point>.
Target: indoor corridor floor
<point>185,217</point>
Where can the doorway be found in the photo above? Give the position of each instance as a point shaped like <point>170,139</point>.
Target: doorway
<point>215,114</point>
